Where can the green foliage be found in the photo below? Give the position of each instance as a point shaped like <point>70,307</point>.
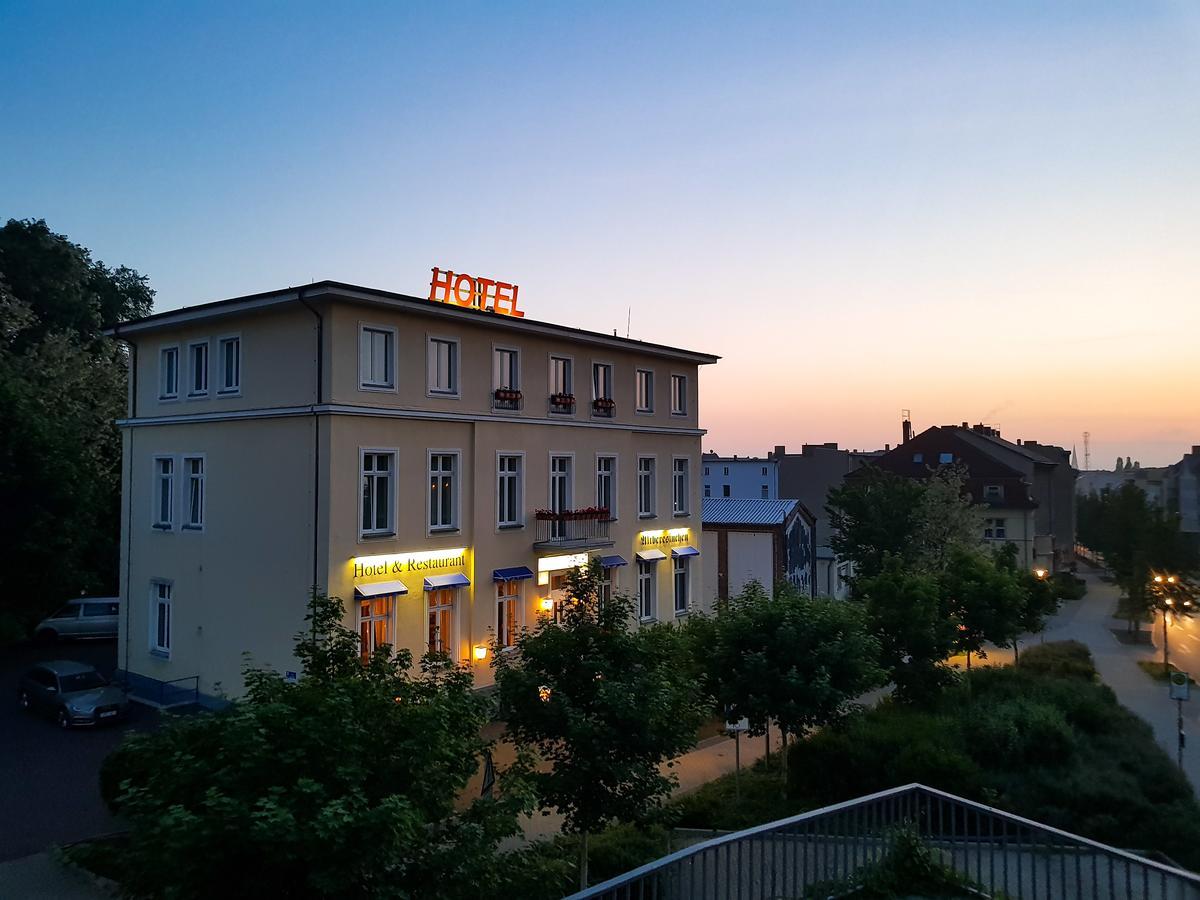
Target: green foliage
<point>620,701</point>
<point>732,803</point>
<point>341,785</point>
<point>1067,586</point>
<point>1061,659</point>
<point>872,516</point>
<point>948,523</point>
<point>988,602</point>
<point>62,384</point>
<point>794,660</point>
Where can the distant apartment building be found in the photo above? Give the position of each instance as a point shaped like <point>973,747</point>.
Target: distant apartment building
<point>1027,488</point>
<point>1183,493</point>
<point>1152,481</point>
<point>740,477</point>
<point>768,541</point>
<point>439,467</point>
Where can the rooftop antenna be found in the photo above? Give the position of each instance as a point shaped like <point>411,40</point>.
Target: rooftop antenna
<point>1087,451</point>
<point>628,319</point>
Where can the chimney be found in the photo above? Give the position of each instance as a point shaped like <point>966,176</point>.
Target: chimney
<point>964,425</point>
<point>887,447</point>
<point>780,451</point>
<point>906,430</point>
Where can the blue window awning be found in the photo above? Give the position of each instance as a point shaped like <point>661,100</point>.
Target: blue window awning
<point>446,581</point>
<point>380,589</point>
<point>611,562</point>
<point>512,573</point>
<point>651,555</point>
<point>684,551</point>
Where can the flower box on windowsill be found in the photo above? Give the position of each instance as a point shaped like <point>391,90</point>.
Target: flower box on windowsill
<point>604,406</point>
<point>562,402</point>
<point>599,513</point>
<point>506,398</point>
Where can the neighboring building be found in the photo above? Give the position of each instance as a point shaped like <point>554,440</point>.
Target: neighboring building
<point>1153,482</point>
<point>440,468</point>
<point>1183,493</point>
<point>769,541</point>
<point>1027,488</point>
<point>808,477</point>
<point>744,477</point>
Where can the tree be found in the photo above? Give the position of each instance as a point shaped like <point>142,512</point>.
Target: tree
<point>947,521</point>
<point>872,516</point>
<point>605,705</point>
<point>916,628</point>
<point>345,784</point>
<point>62,384</point>
<point>985,600</point>
<point>792,659</point>
<point>1041,599</point>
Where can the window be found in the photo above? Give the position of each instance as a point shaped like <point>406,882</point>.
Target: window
<point>706,470</point>
<point>375,624</point>
<point>164,492</point>
<point>606,484</point>
<point>645,390</point>
<point>945,458</point>
<point>560,493</point>
<point>647,599</point>
<point>198,369</point>
<point>91,610</point>
<point>766,492</point>
<point>506,369</point>
<point>377,514</point>
<point>508,607</point>
<point>993,492</point>
<point>726,472</point>
<point>646,504</point>
<point>724,490</point>
<point>608,578</point>
<point>764,470</point>
<point>680,569</point>
<point>168,373</point>
<point>602,390</point>
<point>918,457</point>
<point>995,529</point>
<point>680,487</point>
<point>708,490</point>
<point>443,366</point>
<point>160,618</point>
<point>678,395</point>
<point>508,491</point>
<point>377,358</point>
<point>193,468</point>
<point>229,358</point>
<point>443,512</point>
<point>441,620</point>
<point>562,391</point>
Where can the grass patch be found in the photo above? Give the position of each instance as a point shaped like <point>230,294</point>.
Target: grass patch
<point>1059,659</point>
<point>1154,668</point>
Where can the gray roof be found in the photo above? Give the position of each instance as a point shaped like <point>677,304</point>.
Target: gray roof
<point>736,511</point>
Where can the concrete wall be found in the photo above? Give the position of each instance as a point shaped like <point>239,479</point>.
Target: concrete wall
<point>751,557</point>
<point>745,478</point>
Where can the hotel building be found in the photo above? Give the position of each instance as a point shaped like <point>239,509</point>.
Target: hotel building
<point>438,467</point>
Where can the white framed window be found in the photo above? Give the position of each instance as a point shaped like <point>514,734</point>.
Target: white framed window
<point>681,573</point>
<point>377,358</point>
<point>193,514</point>
<point>160,617</point>
<point>993,492</point>
<point>606,483</point>
<point>602,381</point>
<point>198,369</point>
<point>708,490</point>
<point>607,584</point>
<point>443,367</point>
<point>646,487</point>
<point>995,529</point>
<point>229,362</point>
<point>168,373</point>
<point>647,590</point>
<point>377,514</point>
<point>509,493</point>
<point>376,617</point>
<point>164,492</point>
<point>441,605</point>
<point>506,368</point>
<point>679,395</point>
<point>562,385</point>
<point>508,612</point>
<point>645,391</point>
<point>443,490</point>
<point>680,486</point>
<point>561,490</point>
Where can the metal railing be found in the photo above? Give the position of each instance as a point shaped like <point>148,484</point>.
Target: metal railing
<point>564,531</point>
<point>1002,853</point>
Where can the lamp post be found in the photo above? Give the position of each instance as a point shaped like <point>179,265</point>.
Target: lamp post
<point>1163,587</point>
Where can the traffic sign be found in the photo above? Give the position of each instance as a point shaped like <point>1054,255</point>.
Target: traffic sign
<point>1181,686</point>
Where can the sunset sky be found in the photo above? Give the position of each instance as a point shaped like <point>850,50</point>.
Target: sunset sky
<point>984,212</point>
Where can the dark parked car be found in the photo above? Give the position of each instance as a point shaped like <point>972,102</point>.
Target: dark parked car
<point>86,617</point>
<point>74,692</point>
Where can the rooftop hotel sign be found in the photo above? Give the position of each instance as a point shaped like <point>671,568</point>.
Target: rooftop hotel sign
<point>475,293</point>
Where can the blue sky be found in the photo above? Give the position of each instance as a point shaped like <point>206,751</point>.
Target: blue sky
<point>976,211</point>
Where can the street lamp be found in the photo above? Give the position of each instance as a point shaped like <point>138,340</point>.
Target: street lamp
<point>1040,573</point>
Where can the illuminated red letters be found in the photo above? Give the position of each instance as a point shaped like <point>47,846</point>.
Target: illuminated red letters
<point>477,293</point>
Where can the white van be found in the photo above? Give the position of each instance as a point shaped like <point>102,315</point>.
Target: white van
<point>87,617</point>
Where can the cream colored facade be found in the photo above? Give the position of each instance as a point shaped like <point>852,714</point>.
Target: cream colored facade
<point>276,469</point>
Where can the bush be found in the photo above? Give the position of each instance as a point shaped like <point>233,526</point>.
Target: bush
<point>1062,659</point>
<point>715,804</point>
<point>1068,586</point>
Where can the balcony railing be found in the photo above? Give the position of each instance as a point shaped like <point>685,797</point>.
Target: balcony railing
<point>507,399</point>
<point>562,403</point>
<point>825,849</point>
<point>604,407</point>
<point>571,528</point>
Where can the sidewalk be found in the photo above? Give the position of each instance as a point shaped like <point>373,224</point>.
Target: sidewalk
<point>41,877</point>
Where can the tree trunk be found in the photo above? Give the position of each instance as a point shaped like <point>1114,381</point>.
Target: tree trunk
<point>583,861</point>
<point>968,660</point>
<point>1016,652</point>
<point>767,738</point>
<point>1165,669</point>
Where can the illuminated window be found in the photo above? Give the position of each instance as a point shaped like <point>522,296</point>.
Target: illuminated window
<point>647,590</point>
<point>160,618</point>
<point>678,395</point>
<point>376,495</point>
<point>193,470</point>
<point>377,359</point>
<point>606,484</point>
<point>443,502</point>
<point>646,487</point>
<point>508,491</point>
<point>443,366</point>
<point>198,369</point>
<point>168,373</point>
<point>680,571</point>
<point>680,486</point>
<point>164,492</point>
<point>508,607</point>
<point>441,620</point>
<point>375,624</point>
<point>229,358</point>
<point>945,458</point>
<point>645,390</point>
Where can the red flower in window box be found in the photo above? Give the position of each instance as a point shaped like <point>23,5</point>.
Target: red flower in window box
<point>509,395</point>
<point>604,404</point>
<point>562,400</point>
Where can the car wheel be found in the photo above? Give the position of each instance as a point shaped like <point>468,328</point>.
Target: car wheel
<point>64,721</point>
<point>23,700</point>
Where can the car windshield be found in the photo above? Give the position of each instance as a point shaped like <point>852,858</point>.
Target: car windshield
<point>81,681</point>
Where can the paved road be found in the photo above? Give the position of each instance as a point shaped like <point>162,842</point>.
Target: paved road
<point>49,790</point>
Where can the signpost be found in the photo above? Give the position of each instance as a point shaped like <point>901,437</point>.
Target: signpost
<point>736,729</point>
<point>1180,690</point>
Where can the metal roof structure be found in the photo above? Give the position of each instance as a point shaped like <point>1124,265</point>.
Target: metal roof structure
<point>738,511</point>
